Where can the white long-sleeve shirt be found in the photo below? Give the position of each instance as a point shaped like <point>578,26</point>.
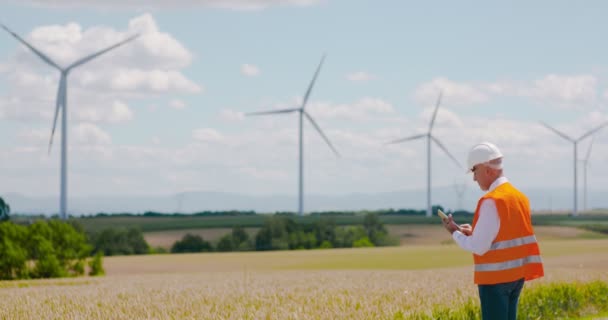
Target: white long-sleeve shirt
<point>486,229</point>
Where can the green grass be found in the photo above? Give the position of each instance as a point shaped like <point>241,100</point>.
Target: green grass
<point>550,301</point>
<point>383,258</point>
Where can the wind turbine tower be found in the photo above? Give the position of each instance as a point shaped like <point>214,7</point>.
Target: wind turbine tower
<point>429,136</point>
<point>585,165</point>
<point>302,113</point>
<point>575,144</point>
<point>62,103</point>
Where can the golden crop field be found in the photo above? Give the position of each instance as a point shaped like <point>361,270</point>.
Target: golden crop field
<point>370,283</point>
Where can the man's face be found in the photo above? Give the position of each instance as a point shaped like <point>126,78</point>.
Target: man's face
<point>481,175</point>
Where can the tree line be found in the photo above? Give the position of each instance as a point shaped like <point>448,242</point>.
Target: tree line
<point>282,232</point>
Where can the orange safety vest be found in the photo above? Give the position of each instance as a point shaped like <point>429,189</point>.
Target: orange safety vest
<point>514,253</point>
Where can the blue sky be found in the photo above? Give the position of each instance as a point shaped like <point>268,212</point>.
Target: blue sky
<point>164,114</point>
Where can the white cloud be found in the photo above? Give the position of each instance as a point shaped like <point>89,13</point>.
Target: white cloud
<point>360,76</point>
<point>454,93</point>
<point>177,104</point>
<point>231,115</point>
<point>34,137</point>
<point>264,174</point>
<point>569,91</point>
<point>159,81</point>
<point>151,64</point>
<point>117,113</point>
<point>88,134</point>
<point>250,70</point>
<point>227,4</point>
<point>361,109</point>
<point>207,135</point>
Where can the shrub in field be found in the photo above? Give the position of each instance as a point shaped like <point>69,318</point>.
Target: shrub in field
<point>281,232</point>
<point>13,253</point>
<point>346,236</point>
<point>119,241</point>
<point>238,240</point>
<point>191,243</point>
<point>42,250</point>
<point>96,265</point>
<point>373,227</point>
<point>362,243</point>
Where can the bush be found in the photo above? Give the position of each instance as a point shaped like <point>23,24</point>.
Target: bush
<point>191,243</point>
<point>42,250</point>
<point>363,242</point>
<point>238,240</point>
<point>96,265</point>
<point>120,241</point>
<point>326,245</point>
<point>13,253</point>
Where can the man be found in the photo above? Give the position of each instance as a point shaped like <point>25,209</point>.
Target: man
<point>501,239</point>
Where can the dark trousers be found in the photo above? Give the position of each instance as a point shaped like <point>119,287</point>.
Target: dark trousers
<point>499,301</point>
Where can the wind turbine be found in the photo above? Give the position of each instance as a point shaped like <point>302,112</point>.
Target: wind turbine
<point>575,143</point>
<point>62,103</point>
<point>302,113</point>
<point>429,136</point>
<point>585,165</point>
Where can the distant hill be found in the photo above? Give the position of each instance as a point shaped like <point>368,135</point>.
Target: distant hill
<point>541,199</point>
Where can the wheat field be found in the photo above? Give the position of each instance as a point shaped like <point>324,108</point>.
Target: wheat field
<point>370,283</point>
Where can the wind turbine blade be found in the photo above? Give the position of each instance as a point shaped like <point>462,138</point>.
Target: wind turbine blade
<point>312,82</point>
<point>418,136</point>
<point>435,112</point>
<point>589,150</point>
<point>36,51</point>
<point>321,132</point>
<point>58,104</point>
<point>592,131</point>
<point>98,53</point>
<point>272,112</point>
<point>446,151</point>
<point>557,132</point>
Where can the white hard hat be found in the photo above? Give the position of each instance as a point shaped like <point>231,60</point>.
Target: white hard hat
<point>482,153</point>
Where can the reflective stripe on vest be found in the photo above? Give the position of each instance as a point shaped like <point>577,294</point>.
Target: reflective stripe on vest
<point>513,243</point>
<point>508,264</point>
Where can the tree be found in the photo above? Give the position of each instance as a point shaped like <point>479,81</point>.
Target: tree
<point>120,241</point>
<point>191,243</point>
<point>96,265</point>
<point>274,234</point>
<point>12,251</point>
<point>374,228</point>
<point>5,210</point>
<point>41,250</point>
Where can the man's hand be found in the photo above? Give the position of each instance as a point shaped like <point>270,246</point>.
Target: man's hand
<point>449,224</point>
<point>466,229</point>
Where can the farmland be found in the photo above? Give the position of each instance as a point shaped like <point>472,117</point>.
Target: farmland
<point>370,283</point>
